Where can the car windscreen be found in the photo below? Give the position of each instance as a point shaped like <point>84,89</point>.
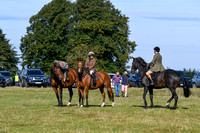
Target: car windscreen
<point>111,76</point>
<point>34,72</point>
<point>182,73</point>
<point>7,74</point>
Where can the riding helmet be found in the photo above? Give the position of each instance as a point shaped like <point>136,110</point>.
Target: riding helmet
<point>157,49</point>
<point>91,53</point>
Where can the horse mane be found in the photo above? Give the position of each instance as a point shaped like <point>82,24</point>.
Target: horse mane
<point>142,61</point>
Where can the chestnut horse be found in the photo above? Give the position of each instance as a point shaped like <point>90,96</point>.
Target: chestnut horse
<point>84,84</point>
<point>57,81</point>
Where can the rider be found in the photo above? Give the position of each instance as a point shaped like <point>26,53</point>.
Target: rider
<point>156,64</point>
<point>64,66</point>
<point>90,64</point>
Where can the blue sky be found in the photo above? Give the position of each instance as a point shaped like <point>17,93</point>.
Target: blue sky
<point>173,25</point>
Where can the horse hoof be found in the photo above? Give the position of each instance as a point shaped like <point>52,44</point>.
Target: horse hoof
<point>81,106</point>
<point>168,105</point>
<point>173,108</point>
<point>113,104</point>
<point>78,104</point>
<point>103,104</point>
<point>69,103</point>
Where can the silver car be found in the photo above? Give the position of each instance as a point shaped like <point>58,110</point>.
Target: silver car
<point>196,80</point>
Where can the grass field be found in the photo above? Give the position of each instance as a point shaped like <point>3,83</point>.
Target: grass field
<point>35,110</point>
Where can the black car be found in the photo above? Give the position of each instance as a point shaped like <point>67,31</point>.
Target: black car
<point>188,79</point>
<point>2,81</point>
<point>33,77</point>
<point>7,75</point>
<point>134,80</point>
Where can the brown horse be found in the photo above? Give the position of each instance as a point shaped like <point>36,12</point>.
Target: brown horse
<point>85,80</point>
<point>57,81</point>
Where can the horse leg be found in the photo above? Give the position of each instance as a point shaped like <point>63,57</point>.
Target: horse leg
<point>168,102</point>
<point>86,93</point>
<point>79,94</point>
<point>144,97</point>
<point>61,102</point>
<point>110,94</point>
<point>70,94</point>
<point>103,95</point>
<point>57,96</point>
<point>151,96</point>
<point>82,96</point>
<point>175,97</point>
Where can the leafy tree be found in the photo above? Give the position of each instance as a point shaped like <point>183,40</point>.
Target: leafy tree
<point>66,31</point>
<point>47,36</point>
<point>190,72</point>
<point>104,30</point>
<point>8,55</point>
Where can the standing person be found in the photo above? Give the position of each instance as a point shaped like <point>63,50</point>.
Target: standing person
<point>16,79</point>
<point>90,64</point>
<point>125,83</point>
<point>116,81</point>
<point>156,64</point>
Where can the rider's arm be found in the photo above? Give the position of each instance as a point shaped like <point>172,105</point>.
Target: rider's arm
<point>154,59</point>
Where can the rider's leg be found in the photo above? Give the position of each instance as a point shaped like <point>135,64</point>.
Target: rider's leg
<point>148,73</point>
<point>67,77</point>
<point>91,74</point>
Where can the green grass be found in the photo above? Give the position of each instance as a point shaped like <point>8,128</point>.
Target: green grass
<point>35,110</point>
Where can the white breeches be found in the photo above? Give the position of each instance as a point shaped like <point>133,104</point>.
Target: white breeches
<point>91,72</point>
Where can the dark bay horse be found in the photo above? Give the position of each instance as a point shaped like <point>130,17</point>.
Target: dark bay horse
<point>84,84</point>
<point>168,78</point>
<point>57,81</point>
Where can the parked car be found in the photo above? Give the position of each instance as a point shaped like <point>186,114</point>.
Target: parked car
<point>196,80</point>
<point>188,79</point>
<point>33,77</point>
<point>7,75</point>
<point>111,76</point>
<point>134,80</point>
<point>3,81</point>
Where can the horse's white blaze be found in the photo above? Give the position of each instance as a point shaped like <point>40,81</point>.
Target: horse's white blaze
<point>103,104</point>
<point>69,103</point>
<point>113,104</point>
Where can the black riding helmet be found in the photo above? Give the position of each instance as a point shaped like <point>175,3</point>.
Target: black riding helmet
<point>157,49</point>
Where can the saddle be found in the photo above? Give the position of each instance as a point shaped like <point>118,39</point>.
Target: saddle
<point>154,74</point>
<point>97,76</point>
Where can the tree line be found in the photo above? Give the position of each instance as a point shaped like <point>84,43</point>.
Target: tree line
<point>64,30</point>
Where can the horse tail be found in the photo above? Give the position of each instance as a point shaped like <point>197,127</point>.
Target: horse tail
<point>110,98</point>
<point>186,88</point>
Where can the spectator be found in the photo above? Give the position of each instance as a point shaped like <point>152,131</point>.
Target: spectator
<point>16,80</point>
<point>125,83</point>
<point>116,81</point>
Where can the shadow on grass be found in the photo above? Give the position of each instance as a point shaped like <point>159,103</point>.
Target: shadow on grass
<point>72,105</point>
<point>158,106</point>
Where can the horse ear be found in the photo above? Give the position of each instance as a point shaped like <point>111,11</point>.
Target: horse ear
<point>133,58</point>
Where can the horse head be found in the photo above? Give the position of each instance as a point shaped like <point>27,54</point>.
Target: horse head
<point>80,65</point>
<point>57,71</point>
<point>134,65</point>
<point>138,63</point>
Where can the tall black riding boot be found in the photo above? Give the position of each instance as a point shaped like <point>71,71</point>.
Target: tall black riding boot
<point>67,77</point>
<point>151,81</point>
<point>94,78</point>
